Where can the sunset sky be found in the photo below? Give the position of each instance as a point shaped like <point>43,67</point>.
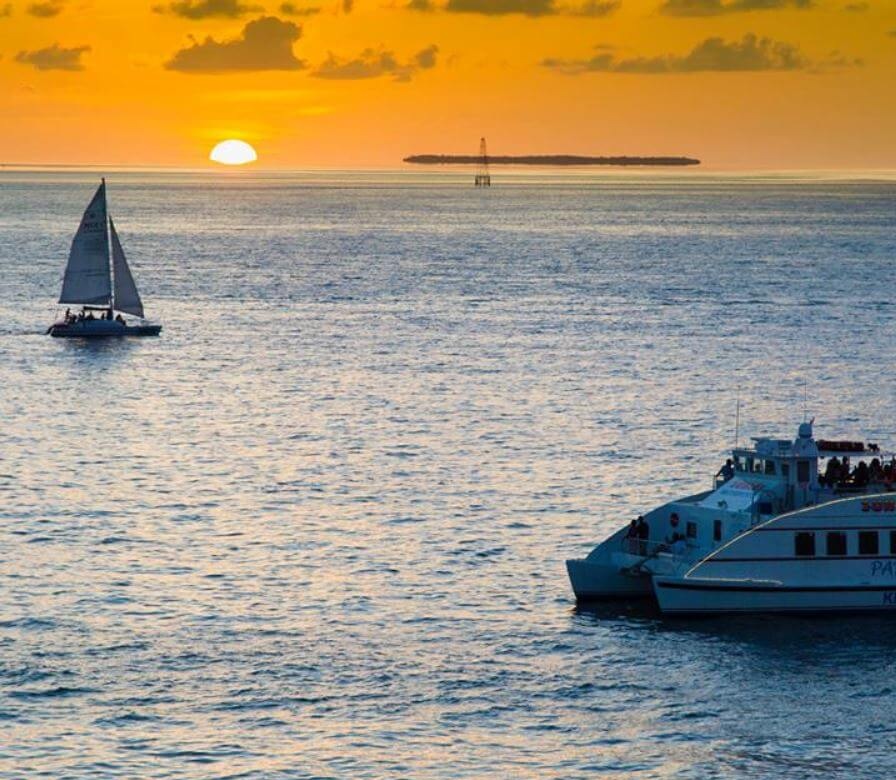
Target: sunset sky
<point>363,83</point>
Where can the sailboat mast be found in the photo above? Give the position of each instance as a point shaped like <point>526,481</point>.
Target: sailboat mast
<point>108,248</point>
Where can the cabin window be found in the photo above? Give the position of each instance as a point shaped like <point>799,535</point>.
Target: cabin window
<point>804,544</point>
<point>717,531</point>
<point>802,471</point>
<point>867,542</point>
<point>748,464</point>
<point>892,542</point>
<point>785,469</point>
<point>766,508</point>
<point>738,463</point>
<point>691,530</point>
<point>758,466</point>
<point>770,467</point>
<point>836,543</point>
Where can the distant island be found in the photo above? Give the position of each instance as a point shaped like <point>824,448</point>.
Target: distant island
<point>545,159</point>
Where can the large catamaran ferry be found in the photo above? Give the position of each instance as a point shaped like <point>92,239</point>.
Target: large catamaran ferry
<point>104,291</point>
<point>788,526</point>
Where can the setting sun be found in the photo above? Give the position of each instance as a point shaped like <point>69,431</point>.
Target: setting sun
<point>233,153</point>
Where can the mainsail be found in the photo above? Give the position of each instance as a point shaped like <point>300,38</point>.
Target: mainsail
<point>126,297</point>
<point>87,273</point>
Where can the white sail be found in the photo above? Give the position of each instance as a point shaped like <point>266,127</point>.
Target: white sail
<point>87,273</point>
<point>126,297</point>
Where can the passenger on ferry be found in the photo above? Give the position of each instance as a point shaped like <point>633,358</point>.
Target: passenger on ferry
<point>631,537</point>
<point>844,470</point>
<point>888,476</point>
<point>831,472</point>
<point>727,471</point>
<point>876,471</point>
<point>643,535</point>
<point>861,475</point>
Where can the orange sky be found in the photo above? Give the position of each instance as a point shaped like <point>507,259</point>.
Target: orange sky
<point>336,83</point>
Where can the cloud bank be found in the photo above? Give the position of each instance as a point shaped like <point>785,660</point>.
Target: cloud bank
<point>719,7</point>
<point>371,64</point>
<point>502,7</point>
<point>205,9</point>
<point>291,9</point>
<point>713,54</point>
<point>264,44</point>
<point>54,57</point>
<point>45,10</point>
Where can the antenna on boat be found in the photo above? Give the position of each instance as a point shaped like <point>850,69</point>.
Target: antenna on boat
<point>737,422</point>
<point>805,403</point>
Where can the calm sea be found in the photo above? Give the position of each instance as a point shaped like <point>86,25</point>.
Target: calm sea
<point>318,527</point>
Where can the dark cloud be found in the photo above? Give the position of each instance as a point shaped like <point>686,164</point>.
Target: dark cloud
<point>291,9</point>
<point>594,8</point>
<point>348,5</point>
<point>713,54</point>
<point>588,8</point>
<point>718,7</point>
<point>857,8</point>
<point>264,44</point>
<point>205,9</point>
<point>54,57</point>
<point>501,7</point>
<point>6,10</point>
<point>426,58</point>
<point>45,10</point>
<point>371,64</point>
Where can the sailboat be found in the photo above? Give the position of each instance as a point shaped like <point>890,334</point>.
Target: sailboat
<point>96,285</point>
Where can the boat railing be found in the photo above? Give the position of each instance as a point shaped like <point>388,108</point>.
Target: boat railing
<point>646,548</point>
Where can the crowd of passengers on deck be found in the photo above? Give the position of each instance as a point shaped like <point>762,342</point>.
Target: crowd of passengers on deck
<point>86,315</point>
<point>839,475</point>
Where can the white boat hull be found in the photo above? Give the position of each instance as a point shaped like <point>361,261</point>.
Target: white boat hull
<point>704,596</point>
<point>88,329</point>
<point>596,580</point>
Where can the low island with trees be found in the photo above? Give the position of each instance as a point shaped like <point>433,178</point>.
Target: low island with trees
<point>545,159</point>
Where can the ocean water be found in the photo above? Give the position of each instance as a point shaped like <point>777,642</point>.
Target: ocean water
<point>318,527</point>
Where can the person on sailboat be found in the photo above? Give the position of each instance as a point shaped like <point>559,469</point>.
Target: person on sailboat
<point>119,318</point>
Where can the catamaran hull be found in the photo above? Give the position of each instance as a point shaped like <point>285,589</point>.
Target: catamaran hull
<point>101,329</point>
<point>685,596</point>
<point>593,581</point>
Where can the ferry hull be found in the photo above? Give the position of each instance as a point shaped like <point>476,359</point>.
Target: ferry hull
<point>593,581</point>
<point>101,329</point>
<point>689,596</point>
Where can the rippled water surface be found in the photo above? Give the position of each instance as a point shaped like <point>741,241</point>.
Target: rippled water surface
<point>317,528</point>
